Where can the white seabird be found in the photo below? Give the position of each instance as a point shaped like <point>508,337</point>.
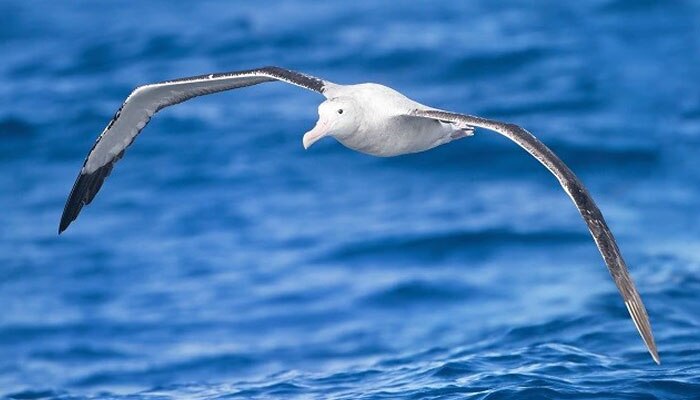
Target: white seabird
<point>369,118</point>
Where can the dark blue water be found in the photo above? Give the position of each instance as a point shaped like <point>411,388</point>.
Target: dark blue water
<point>223,260</point>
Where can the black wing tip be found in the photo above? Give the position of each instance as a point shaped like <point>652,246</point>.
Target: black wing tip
<point>69,215</point>
<point>653,351</point>
<point>63,225</point>
<point>76,200</point>
<point>84,190</point>
<point>641,321</point>
<point>655,356</point>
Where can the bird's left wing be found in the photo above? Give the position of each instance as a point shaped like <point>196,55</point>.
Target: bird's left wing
<point>584,202</point>
<point>147,100</point>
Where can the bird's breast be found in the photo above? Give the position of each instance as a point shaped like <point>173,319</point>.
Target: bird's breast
<point>398,135</point>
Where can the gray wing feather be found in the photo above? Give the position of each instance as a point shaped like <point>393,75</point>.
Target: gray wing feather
<point>590,212</point>
<point>142,104</point>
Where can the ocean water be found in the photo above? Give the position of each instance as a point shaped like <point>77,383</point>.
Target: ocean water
<point>221,260</point>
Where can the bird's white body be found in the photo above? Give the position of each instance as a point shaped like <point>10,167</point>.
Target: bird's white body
<point>386,129</point>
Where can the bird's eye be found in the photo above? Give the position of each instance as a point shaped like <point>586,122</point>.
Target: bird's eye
<point>340,111</point>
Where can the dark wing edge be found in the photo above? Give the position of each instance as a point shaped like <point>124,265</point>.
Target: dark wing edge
<point>84,190</point>
<point>590,212</point>
<point>89,182</point>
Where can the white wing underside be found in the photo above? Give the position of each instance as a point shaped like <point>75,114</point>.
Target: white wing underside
<point>147,100</point>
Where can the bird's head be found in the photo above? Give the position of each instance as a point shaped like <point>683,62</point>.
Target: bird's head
<point>338,117</point>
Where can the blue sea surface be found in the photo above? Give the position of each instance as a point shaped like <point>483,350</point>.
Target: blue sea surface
<point>222,260</point>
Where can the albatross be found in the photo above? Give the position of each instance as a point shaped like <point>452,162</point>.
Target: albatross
<point>367,117</point>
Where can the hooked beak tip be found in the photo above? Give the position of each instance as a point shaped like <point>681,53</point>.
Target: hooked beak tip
<point>318,132</point>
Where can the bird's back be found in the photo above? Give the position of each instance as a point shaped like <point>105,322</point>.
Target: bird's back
<point>377,99</point>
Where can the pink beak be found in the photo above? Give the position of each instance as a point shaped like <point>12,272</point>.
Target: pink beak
<point>318,132</point>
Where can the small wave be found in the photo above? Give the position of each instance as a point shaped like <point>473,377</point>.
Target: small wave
<point>495,63</point>
<point>15,127</point>
<point>433,245</point>
<point>81,354</point>
<point>193,368</point>
<point>35,395</point>
<point>404,293</point>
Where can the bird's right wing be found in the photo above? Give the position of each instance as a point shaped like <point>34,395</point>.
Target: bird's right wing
<point>147,100</point>
<point>582,199</point>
